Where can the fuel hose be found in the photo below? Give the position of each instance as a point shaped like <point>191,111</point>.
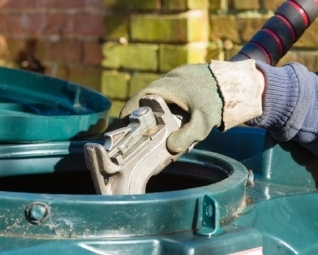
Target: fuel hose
<point>280,32</point>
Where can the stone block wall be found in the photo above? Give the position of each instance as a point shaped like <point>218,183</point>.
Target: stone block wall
<point>234,22</point>
<point>146,38</point>
<point>120,46</point>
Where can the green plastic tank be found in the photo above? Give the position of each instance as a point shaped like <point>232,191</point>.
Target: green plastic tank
<point>239,192</point>
<point>200,205</point>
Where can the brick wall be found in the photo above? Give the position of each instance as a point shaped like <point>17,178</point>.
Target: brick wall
<point>58,37</point>
<point>120,46</point>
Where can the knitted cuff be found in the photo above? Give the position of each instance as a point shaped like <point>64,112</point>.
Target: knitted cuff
<point>280,97</point>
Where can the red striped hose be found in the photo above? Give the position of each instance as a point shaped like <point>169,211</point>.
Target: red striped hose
<point>280,32</point>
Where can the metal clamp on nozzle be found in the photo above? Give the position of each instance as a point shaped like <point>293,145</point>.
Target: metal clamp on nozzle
<point>131,155</point>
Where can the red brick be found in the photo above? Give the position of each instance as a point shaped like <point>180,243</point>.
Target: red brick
<point>93,4</point>
<point>15,24</point>
<point>144,5</point>
<point>92,53</point>
<point>19,4</point>
<point>61,51</point>
<point>3,24</point>
<point>34,23</point>
<point>88,24</point>
<point>60,4</point>
<point>57,23</point>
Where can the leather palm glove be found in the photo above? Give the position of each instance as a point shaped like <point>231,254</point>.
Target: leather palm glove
<point>219,94</point>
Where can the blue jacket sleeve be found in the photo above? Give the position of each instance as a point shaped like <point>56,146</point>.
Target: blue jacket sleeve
<point>290,104</point>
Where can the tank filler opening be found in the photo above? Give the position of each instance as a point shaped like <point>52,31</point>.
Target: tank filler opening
<point>177,176</point>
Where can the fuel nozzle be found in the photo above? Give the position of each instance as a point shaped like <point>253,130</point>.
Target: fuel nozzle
<point>131,155</point>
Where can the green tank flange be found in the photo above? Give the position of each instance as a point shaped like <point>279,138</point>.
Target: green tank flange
<point>37,108</point>
<point>132,215</point>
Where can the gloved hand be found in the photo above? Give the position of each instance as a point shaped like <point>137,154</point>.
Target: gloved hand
<point>204,90</point>
<point>192,88</point>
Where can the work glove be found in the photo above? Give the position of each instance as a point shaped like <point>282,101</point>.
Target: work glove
<point>220,94</point>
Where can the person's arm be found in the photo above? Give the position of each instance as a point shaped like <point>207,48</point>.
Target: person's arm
<point>283,100</point>
<point>220,94</point>
<point>290,104</point>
